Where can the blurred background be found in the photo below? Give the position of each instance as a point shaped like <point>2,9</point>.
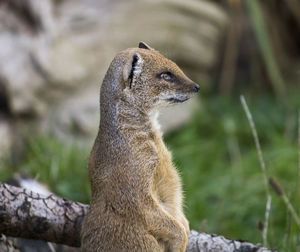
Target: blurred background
<point>53,57</point>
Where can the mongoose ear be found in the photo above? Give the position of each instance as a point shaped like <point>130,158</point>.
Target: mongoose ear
<point>143,45</point>
<point>132,69</point>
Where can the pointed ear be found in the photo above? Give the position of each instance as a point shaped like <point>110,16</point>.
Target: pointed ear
<point>143,45</point>
<point>132,69</point>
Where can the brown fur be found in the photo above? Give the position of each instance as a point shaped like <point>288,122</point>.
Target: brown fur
<point>136,191</point>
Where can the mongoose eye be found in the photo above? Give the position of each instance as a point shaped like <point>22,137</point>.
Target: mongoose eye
<point>167,76</point>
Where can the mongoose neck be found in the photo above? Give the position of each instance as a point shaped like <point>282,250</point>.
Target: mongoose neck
<point>132,117</point>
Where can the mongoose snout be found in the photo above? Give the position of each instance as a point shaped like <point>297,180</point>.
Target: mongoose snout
<point>196,87</point>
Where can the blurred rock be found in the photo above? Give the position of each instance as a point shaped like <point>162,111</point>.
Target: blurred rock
<point>24,28</point>
<point>78,115</point>
<point>54,53</point>
<point>6,138</point>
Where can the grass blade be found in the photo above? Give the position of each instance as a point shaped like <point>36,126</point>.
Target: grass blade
<point>263,168</point>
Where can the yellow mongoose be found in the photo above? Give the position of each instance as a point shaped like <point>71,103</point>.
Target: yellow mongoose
<point>136,191</point>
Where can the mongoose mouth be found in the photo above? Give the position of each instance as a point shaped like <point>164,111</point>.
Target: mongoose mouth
<point>176,100</point>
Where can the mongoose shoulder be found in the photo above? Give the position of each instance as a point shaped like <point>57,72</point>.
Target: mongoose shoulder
<point>136,191</point>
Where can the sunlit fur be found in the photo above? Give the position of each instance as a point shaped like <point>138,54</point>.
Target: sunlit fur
<point>136,191</point>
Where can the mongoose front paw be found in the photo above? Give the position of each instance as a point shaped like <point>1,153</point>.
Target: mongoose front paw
<point>180,242</point>
<point>185,223</point>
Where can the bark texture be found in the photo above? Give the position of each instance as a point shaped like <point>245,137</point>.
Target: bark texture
<point>31,215</point>
<point>7,245</point>
<point>202,242</point>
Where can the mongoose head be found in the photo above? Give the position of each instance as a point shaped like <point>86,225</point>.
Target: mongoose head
<point>150,80</point>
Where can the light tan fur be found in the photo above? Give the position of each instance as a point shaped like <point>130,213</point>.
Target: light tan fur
<point>136,191</point>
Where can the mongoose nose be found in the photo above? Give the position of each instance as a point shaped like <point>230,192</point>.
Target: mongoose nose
<point>196,87</point>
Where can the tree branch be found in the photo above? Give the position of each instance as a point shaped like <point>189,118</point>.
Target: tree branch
<point>31,215</point>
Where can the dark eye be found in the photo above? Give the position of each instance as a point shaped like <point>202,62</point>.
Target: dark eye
<point>167,76</point>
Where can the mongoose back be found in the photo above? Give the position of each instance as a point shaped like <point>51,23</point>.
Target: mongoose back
<point>136,191</point>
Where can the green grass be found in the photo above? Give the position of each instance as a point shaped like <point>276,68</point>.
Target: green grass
<point>63,167</point>
<point>216,156</point>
